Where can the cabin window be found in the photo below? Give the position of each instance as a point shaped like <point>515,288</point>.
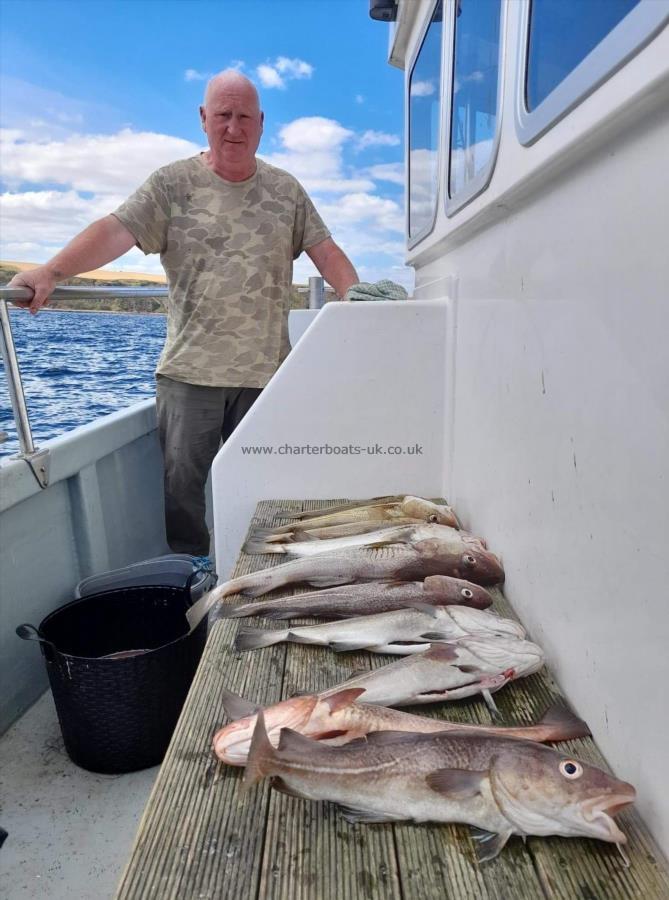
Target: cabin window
<point>424,100</point>
<point>572,46</point>
<point>561,34</point>
<point>474,95</point>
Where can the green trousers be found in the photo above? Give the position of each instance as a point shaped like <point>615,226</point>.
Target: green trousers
<point>193,420</point>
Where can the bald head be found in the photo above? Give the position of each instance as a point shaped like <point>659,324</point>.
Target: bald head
<point>232,121</point>
<point>231,81</point>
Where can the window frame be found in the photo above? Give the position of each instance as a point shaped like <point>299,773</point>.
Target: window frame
<point>478,184</point>
<point>623,42</point>
<point>412,241</point>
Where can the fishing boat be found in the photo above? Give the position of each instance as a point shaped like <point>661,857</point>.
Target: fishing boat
<point>526,381</point>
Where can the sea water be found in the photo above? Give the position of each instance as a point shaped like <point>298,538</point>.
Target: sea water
<point>78,366</point>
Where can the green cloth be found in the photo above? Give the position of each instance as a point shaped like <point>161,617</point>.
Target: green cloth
<point>380,290</point>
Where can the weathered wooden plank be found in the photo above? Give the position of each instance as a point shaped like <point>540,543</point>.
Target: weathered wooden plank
<point>312,853</point>
<point>201,838</point>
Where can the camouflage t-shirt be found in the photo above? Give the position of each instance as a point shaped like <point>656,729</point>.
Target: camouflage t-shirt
<point>227,249</point>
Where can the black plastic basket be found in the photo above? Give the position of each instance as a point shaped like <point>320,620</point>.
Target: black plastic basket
<point>118,714</point>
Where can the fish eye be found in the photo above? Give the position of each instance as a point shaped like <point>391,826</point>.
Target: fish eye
<point>571,769</point>
<point>469,559</point>
<point>467,593</point>
<point>432,518</point>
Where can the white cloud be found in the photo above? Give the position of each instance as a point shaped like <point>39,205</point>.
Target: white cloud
<point>269,77</point>
<point>422,88</point>
<point>116,163</point>
<point>293,68</point>
<point>359,98</point>
<point>194,75</point>
<point>358,208</point>
<point>377,139</point>
<point>275,74</point>
<point>393,172</point>
<point>312,151</point>
<point>313,133</point>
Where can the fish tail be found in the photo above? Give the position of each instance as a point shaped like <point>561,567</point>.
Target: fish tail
<point>261,757</point>
<point>234,586</point>
<point>255,638</point>
<point>230,611</point>
<point>561,724</point>
<point>255,545</point>
<point>269,536</point>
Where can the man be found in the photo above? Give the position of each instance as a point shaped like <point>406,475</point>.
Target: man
<point>227,226</point>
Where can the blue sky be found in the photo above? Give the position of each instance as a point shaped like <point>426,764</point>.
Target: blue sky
<point>96,94</point>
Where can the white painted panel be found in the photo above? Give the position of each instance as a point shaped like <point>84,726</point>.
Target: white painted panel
<point>364,374</point>
<point>560,434</point>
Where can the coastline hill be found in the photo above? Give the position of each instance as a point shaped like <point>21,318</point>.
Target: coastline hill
<point>110,278</point>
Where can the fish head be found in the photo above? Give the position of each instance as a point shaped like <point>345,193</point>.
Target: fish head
<point>475,621</point>
<point>232,743</point>
<point>509,655</point>
<point>480,565</point>
<point>543,791</point>
<point>435,513</point>
<point>456,591</point>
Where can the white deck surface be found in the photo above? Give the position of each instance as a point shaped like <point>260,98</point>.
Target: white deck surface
<point>70,831</point>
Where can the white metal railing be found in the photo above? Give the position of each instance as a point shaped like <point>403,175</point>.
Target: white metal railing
<point>37,459</point>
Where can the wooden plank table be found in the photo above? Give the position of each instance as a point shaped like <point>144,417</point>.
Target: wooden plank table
<point>200,837</point>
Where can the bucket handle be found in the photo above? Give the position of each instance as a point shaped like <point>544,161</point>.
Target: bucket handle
<point>199,570</point>
<point>28,632</point>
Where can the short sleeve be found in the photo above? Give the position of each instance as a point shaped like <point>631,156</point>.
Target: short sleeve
<point>309,228</point>
<point>146,214</point>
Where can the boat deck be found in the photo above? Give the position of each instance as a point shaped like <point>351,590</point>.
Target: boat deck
<point>201,837</point>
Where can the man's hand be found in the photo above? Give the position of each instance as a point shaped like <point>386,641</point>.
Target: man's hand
<point>41,282</point>
<point>97,245</point>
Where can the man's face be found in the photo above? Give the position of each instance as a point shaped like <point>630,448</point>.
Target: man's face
<point>233,124</point>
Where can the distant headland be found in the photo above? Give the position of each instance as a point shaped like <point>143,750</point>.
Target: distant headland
<point>111,278</point>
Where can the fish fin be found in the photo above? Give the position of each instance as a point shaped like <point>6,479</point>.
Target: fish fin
<point>292,740</point>
<point>344,646</point>
<point>303,536</point>
<point>367,816</point>
<point>382,738</point>
<point>261,755</point>
<point>566,724</point>
<point>231,611</point>
<point>253,547</point>
<point>282,613</point>
<point>384,542</point>
<point>280,785</point>
<point>327,580</point>
<point>237,707</point>
<point>442,652</point>
<point>490,703</point>
<point>343,698</point>
<point>255,638</point>
<point>461,783</point>
<point>426,608</point>
<point>329,735</point>
<point>489,844</point>
<point>289,514</point>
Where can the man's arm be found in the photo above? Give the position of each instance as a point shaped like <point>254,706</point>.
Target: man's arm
<point>334,265</point>
<point>97,245</point>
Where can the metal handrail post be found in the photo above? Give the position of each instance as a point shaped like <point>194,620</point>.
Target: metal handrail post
<point>14,383</point>
<point>37,459</point>
<point>316,292</point>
